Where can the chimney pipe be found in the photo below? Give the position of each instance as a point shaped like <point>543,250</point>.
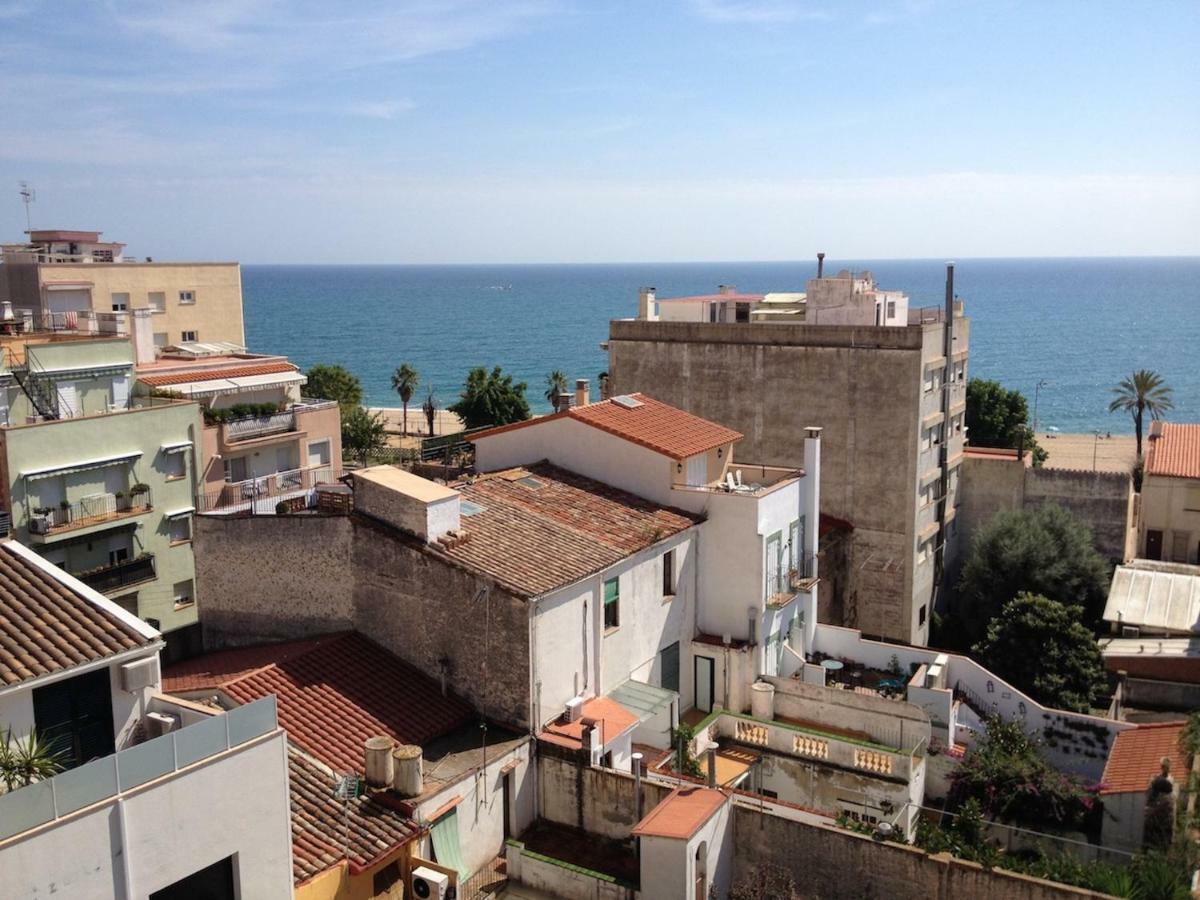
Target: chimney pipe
<point>712,765</point>
<point>647,310</point>
<point>583,392</point>
<point>820,264</point>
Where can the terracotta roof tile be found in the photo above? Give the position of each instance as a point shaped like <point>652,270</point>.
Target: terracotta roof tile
<point>333,694</point>
<point>1136,757</point>
<point>651,424</point>
<point>319,826</point>
<point>681,813</point>
<point>611,716</point>
<point>46,626</point>
<point>212,374</point>
<point>535,536</point>
<point>1174,450</point>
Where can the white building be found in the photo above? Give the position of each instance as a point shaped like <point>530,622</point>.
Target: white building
<point>149,786</point>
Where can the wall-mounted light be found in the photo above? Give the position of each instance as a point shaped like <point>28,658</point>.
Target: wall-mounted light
<point>678,467</point>
<point>720,452</point>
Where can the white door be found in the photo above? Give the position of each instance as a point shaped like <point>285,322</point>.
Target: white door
<point>68,399</point>
<point>318,454</point>
<point>120,392</point>
<point>697,470</point>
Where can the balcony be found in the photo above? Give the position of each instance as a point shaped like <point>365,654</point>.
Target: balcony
<point>260,496</point>
<point>46,524</point>
<point>194,737</point>
<point>232,434</point>
<point>119,575</point>
<point>801,579</point>
<point>748,480</point>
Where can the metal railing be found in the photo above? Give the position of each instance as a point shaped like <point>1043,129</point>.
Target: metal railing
<point>89,511</point>
<point>259,426</point>
<point>258,496</point>
<point>785,584</point>
<point>81,321</point>
<point>121,574</point>
<point>68,792</point>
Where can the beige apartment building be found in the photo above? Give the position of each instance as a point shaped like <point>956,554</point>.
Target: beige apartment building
<point>59,274</point>
<point>886,382</point>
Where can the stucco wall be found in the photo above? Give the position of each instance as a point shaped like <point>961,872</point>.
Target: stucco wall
<point>600,801</point>
<point>777,379</point>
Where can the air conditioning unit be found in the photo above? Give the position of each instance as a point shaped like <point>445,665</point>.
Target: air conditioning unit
<point>158,724</point>
<point>430,885</point>
<point>39,524</point>
<point>1127,631</point>
<point>574,709</point>
<point>139,674</point>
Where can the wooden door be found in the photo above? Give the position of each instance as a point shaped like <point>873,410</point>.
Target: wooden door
<point>1154,542</point>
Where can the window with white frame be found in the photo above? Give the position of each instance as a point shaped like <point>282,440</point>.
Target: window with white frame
<point>120,302</point>
<point>185,593</point>
<point>175,466</point>
<point>181,528</point>
<point>157,301</point>
<point>187,298</point>
<point>189,336</point>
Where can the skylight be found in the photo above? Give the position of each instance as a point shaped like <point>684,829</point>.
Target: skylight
<point>626,401</point>
<point>467,508</point>
<point>530,482</point>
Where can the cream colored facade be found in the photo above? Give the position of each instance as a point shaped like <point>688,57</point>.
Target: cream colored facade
<point>190,301</point>
<point>1170,526</point>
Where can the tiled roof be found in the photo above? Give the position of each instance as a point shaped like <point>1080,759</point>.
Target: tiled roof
<point>1174,450</point>
<point>651,424</point>
<point>46,626</point>
<point>611,717</point>
<point>319,825</point>
<point>216,373</point>
<point>1136,757</point>
<point>533,536</point>
<point>333,694</point>
<point>681,813</point>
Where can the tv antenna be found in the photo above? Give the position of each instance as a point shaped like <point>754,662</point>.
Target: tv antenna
<point>28,195</point>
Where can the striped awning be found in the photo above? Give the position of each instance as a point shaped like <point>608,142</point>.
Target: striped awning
<point>82,466</point>
<point>176,447</point>
<point>214,386</point>
<point>180,513</point>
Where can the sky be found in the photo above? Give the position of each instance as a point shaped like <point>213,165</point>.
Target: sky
<point>441,131</point>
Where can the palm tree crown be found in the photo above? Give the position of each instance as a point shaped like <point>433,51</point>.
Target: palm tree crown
<point>556,384</point>
<point>404,381</point>
<point>1142,392</point>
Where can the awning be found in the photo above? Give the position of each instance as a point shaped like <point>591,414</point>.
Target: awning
<point>66,285</point>
<point>82,466</point>
<point>180,513</point>
<point>96,371</point>
<point>446,850</point>
<point>176,447</point>
<point>643,700</point>
<point>214,386</point>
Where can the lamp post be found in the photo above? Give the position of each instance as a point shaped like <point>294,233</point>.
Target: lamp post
<point>1095,446</point>
<point>1036,392</point>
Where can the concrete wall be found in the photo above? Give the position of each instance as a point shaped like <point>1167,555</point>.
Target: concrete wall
<point>174,826</point>
<point>862,385</point>
<point>1101,500</point>
<point>890,722</point>
<point>557,880</point>
<point>831,863</point>
<point>599,801</point>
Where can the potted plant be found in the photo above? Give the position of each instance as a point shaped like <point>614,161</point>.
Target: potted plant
<point>282,508</point>
<point>139,494</point>
<point>122,500</point>
<point>64,512</point>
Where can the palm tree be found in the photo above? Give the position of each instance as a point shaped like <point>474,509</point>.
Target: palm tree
<point>556,385</point>
<point>404,382</point>
<point>1143,391</point>
<point>24,760</point>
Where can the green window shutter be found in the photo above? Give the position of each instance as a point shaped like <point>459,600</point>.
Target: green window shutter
<point>612,603</point>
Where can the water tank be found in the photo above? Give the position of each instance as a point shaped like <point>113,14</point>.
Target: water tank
<point>762,700</point>
<point>407,777</point>
<point>378,761</point>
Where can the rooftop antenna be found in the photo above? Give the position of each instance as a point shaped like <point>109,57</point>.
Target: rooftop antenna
<point>28,195</point>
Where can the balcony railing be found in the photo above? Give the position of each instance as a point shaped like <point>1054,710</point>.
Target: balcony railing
<point>259,496</point>
<point>83,321</point>
<point>259,426</point>
<point>102,779</point>
<point>119,575</point>
<point>782,587</point>
<point>93,510</point>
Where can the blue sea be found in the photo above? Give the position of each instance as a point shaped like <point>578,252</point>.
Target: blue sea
<point>1078,324</point>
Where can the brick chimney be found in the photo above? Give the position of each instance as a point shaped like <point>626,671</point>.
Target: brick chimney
<point>583,392</point>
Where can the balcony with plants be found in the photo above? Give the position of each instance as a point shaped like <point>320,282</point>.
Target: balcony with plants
<point>48,523</point>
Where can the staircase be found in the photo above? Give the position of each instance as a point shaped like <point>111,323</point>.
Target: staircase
<point>38,387</point>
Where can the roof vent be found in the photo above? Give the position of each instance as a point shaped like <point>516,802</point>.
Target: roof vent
<point>627,401</point>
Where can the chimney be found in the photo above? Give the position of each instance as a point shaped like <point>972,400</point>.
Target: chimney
<point>812,486</point>
<point>378,762</point>
<point>563,401</point>
<point>647,310</point>
<point>583,392</point>
<point>820,264</point>
<point>726,288</point>
<point>712,765</point>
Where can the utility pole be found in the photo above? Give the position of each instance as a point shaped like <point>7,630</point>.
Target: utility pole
<point>28,195</point>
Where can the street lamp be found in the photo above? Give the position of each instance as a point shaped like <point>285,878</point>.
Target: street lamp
<point>1095,446</point>
<point>1036,391</point>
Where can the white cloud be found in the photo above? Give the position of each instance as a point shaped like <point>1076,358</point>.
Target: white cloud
<point>758,12</point>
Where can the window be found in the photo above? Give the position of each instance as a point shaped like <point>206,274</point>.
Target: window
<point>668,572</point>
<point>189,336</point>
<point>922,551</point>
<point>668,658</point>
<point>891,309</point>
<point>773,561</point>
<point>921,616</point>
<point>185,593</point>
<point>157,300</point>
<point>160,339</point>
<point>612,604</point>
<point>235,469</point>
<point>120,302</point>
<point>76,714</point>
<point>175,466</point>
<point>213,882</point>
<point>187,298</point>
<point>1192,499</point>
<point>181,529</point>
<point>318,453</point>
<point>796,548</point>
<point>127,602</point>
<point>385,879</point>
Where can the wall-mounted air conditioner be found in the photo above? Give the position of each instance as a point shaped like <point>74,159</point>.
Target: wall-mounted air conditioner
<point>39,524</point>
<point>574,709</point>
<point>139,674</point>
<point>430,885</point>
<point>158,724</point>
<point>1130,631</point>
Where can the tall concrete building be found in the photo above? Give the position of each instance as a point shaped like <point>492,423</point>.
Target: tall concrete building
<point>58,275</point>
<point>886,383</point>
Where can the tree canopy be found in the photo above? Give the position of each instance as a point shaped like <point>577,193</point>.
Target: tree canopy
<point>362,433</point>
<point>1042,551</point>
<point>998,417</point>
<point>1042,648</point>
<point>491,398</point>
<point>1142,392</point>
<point>404,382</point>
<point>331,382</point>
<point>556,385</point>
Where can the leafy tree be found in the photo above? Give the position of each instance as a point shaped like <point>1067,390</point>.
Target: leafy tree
<point>1041,647</point>
<point>363,433</point>
<point>430,407</point>
<point>404,382</point>
<point>491,398</point>
<point>24,760</point>
<point>1043,551</point>
<point>998,417</point>
<point>334,383</point>
<point>1142,392</point>
<point>556,384</point>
